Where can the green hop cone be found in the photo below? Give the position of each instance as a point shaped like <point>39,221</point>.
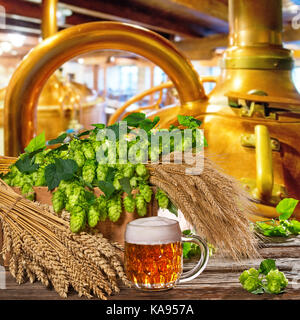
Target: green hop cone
<point>274,286</point>
<point>146,192</point>
<point>129,204</point>
<point>79,158</point>
<point>58,200</point>
<point>247,273</point>
<point>77,219</point>
<point>88,151</point>
<point>102,170</point>
<point>276,275</point>
<point>28,191</point>
<point>102,206</point>
<point>77,196</point>
<point>40,178</point>
<point>39,158</point>
<point>163,200</point>
<point>88,171</point>
<point>252,283</point>
<point>96,145</point>
<point>93,215</point>
<point>129,170</point>
<point>114,208</point>
<point>133,182</point>
<point>141,170</point>
<point>141,205</point>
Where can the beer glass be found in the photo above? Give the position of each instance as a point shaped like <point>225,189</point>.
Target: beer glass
<point>153,254</point>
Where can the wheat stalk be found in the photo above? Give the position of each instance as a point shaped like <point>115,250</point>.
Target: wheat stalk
<point>41,246</point>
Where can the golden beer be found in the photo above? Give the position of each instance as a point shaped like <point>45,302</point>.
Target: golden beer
<point>153,254</point>
<point>157,266</point>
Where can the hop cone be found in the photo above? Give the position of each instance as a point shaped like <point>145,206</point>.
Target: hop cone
<point>88,150</point>
<point>79,157</point>
<point>88,171</point>
<point>114,208</point>
<point>146,192</point>
<point>141,205</point>
<point>141,170</point>
<point>102,206</point>
<point>102,172</point>
<point>129,170</point>
<point>129,204</point>
<point>133,182</point>
<point>77,219</point>
<point>40,177</point>
<point>76,197</point>
<point>163,200</point>
<point>93,215</point>
<point>58,200</point>
<point>28,191</point>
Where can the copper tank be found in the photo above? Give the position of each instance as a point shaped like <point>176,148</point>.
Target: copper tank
<point>61,100</point>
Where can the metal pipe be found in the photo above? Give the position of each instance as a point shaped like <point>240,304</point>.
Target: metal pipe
<point>20,106</point>
<point>49,19</point>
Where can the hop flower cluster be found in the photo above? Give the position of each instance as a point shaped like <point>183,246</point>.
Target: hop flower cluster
<point>266,279</point>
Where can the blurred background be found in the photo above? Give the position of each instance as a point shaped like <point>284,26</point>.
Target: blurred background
<point>90,88</point>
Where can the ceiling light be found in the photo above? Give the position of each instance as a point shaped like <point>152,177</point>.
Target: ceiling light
<point>16,39</point>
<point>6,46</point>
<point>80,60</point>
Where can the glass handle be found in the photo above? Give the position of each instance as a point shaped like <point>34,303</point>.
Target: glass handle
<point>201,264</point>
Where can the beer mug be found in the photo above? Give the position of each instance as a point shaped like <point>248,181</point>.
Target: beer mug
<point>153,254</point>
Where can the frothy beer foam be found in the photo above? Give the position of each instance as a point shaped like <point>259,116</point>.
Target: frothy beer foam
<point>153,230</point>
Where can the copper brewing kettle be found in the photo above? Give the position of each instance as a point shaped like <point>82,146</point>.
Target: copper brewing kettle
<point>252,117</point>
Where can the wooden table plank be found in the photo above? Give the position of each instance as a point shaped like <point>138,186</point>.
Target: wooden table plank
<point>218,281</point>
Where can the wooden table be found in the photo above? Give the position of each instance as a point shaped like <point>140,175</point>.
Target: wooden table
<point>218,281</point>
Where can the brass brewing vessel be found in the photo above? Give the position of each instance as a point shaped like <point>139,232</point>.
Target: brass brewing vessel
<point>61,100</point>
<point>28,80</point>
<point>252,117</point>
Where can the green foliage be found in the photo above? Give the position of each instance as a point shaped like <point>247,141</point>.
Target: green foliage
<point>141,205</point>
<point>146,192</point>
<point>162,198</point>
<point>60,170</point>
<point>74,170</point>
<point>114,207</point>
<point>266,279</point>
<point>282,227</point>
<point>37,143</point>
<point>58,200</point>
<point>129,204</point>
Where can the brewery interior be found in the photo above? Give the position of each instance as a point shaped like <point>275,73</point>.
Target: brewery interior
<point>246,55</point>
<point>69,68</point>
